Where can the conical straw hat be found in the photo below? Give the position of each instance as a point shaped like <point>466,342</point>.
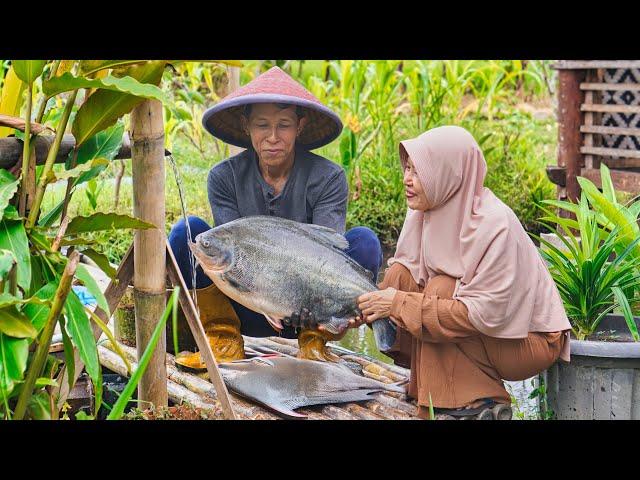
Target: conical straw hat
<point>273,86</point>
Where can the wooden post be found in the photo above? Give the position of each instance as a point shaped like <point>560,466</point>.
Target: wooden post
<point>149,253</point>
<point>570,97</point>
<point>234,84</point>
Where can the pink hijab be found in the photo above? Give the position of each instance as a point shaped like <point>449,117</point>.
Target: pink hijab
<point>470,235</point>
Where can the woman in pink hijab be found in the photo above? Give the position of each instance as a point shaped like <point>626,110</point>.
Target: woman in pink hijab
<point>471,295</point>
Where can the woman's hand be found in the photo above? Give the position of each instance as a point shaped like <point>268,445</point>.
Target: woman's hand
<point>376,304</point>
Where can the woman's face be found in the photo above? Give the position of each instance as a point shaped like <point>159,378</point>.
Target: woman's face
<point>416,197</point>
<point>273,132</point>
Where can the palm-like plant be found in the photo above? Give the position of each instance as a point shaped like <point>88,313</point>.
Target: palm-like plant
<point>590,285</point>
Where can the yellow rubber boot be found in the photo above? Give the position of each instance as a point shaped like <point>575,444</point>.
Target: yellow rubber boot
<point>313,345</point>
<point>222,327</point>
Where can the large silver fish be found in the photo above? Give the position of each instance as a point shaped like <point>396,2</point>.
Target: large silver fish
<point>279,267</point>
<point>286,383</point>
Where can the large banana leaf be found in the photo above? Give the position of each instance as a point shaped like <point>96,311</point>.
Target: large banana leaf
<point>28,70</point>
<point>11,98</point>
<point>126,84</point>
<point>105,107</point>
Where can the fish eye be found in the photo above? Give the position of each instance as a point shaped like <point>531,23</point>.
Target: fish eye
<point>206,243</point>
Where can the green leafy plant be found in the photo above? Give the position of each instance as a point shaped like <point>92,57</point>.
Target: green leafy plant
<point>590,285</point>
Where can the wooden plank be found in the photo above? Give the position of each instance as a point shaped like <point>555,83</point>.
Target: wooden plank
<point>602,393</point>
<point>610,130</point>
<point>614,163</point>
<point>193,320</point>
<point>589,64</point>
<point>595,107</point>
<point>610,86</point>
<point>611,152</point>
<point>588,121</point>
<point>570,97</point>
<point>625,181</point>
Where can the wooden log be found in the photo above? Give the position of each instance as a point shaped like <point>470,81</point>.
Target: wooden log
<point>176,392</point>
<point>570,97</point>
<point>11,149</point>
<point>362,413</point>
<point>385,411</point>
<point>405,407</point>
<point>611,152</point>
<point>149,252</point>
<point>337,413</point>
<point>593,64</point>
<point>610,130</point>
<point>625,181</point>
<point>201,386</point>
<point>376,369</point>
<point>610,86</point>
<point>269,342</point>
<point>595,107</point>
<point>396,371</point>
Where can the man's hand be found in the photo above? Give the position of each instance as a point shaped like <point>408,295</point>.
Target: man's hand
<point>377,304</point>
<point>302,319</point>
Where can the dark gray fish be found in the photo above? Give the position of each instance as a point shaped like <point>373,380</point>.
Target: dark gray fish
<point>286,383</point>
<point>279,267</point>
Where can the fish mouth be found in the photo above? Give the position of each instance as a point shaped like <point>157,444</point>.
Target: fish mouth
<point>204,259</point>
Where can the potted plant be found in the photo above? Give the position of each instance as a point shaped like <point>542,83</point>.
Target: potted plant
<point>596,273</point>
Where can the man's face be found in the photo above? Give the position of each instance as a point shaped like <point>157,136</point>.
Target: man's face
<point>273,132</point>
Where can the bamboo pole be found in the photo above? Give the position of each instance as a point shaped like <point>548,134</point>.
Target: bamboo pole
<point>149,253</point>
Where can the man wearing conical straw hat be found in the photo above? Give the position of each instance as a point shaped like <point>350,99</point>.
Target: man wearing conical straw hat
<point>278,122</point>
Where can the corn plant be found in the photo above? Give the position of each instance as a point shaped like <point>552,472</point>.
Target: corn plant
<point>590,285</point>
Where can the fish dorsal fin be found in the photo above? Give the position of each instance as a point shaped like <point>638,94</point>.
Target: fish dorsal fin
<point>327,235</point>
<point>356,266</point>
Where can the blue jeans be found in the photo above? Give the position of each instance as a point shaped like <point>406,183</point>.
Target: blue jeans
<point>364,248</point>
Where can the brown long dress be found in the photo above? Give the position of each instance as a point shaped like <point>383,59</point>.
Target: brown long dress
<point>450,360</point>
